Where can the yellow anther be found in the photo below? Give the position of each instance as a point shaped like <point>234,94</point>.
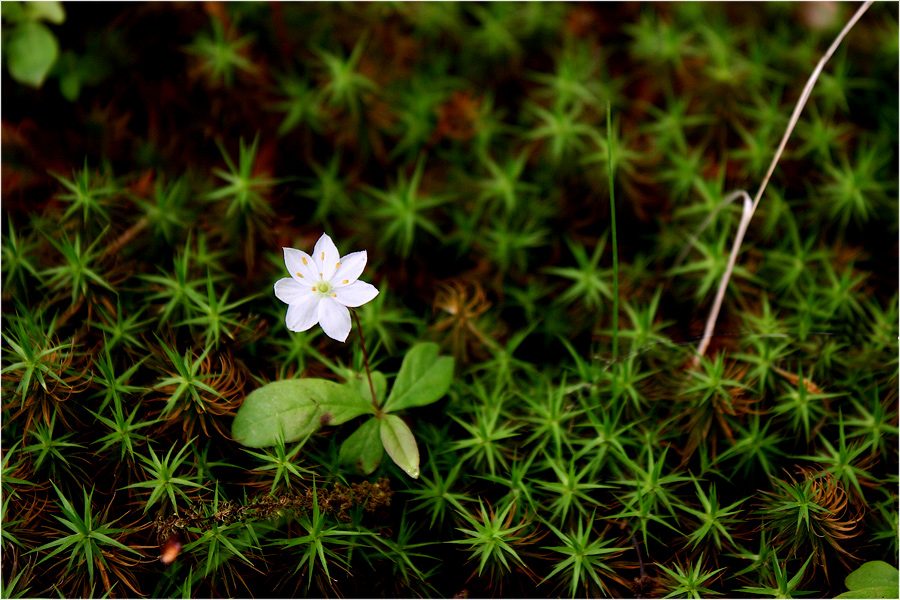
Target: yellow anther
<point>299,274</point>
<point>303,258</point>
<point>320,275</point>
<point>337,265</point>
<point>334,295</point>
<point>346,281</point>
<point>323,256</point>
<point>314,288</point>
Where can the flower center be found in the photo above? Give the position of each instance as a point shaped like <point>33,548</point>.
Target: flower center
<point>323,287</point>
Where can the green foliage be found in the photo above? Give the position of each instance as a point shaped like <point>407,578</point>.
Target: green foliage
<point>571,490</point>
<point>302,104</point>
<point>213,314</point>
<point>78,273</point>
<point>776,578</point>
<point>31,48</point>
<point>400,553</point>
<point>853,191</point>
<point>292,409</point>
<point>715,520</point>
<point>689,581</point>
<point>574,444</point>
<point>87,194</point>
<point>327,191</point>
<point>317,543</point>
<point>220,58</point>
<point>344,86</point>
<point>808,515</point>
<point>49,446</point>
<point>491,538</point>
<point>560,129</point>
<point>17,260</point>
<point>424,378</point>
<point>434,493</point>
<point>296,408</point>
<point>162,479</point>
<point>586,559</point>
<point>844,461</point>
<point>404,211</point>
<point>178,289</point>
<point>123,430</point>
<point>85,536</point>
<point>363,449</point>
<point>400,444</point>
<point>589,283</point>
<point>282,462</point>
<point>485,442</point>
<point>31,353</point>
<point>166,211</point>
<point>874,579</point>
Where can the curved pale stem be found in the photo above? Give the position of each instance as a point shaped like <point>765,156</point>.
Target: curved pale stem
<point>745,220</point>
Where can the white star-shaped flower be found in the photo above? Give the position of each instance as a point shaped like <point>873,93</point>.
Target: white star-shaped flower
<point>321,288</point>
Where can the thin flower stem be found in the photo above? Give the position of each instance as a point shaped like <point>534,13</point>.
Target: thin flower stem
<point>615,247</point>
<point>637,550</point>
<point>365,358</point>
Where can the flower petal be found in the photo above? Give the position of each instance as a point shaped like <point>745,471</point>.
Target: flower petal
<point>303,315</point>
<point>355,294</point>
<point>301,266</point>
<point>290,291</point>
<point>326,256</point>
<point>351,268</point>
<point>334,319</point>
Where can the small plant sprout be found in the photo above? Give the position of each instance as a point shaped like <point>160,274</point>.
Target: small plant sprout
<point>493,539</point>
<point>161,479</point>
<point>91,539</point>
<point>776,577</point>
<point>689,582</point>
<point>586,557</point>
<point>316,543</point>
<point>321,289</point>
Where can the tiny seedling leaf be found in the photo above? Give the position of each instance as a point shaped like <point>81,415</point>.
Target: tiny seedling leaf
<point>423,378</point>
<point>874,579</point>
<point>400,444</point>
<point>31,50</point>
<point>296,407</point>
<point>46,11</point>
<point>362,451</point>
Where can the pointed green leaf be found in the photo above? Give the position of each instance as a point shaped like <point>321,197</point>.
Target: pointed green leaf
<point>874,579</point>
<point>362,451</point>
<point>296,407</point>
<point>424,378</point>
<point>400,444</point>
